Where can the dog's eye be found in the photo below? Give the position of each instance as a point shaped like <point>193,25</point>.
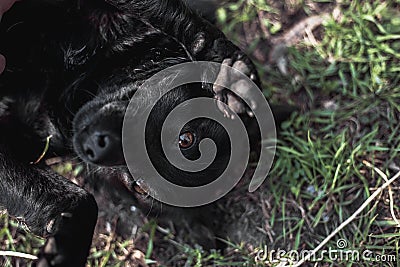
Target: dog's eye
<point>186,140</point>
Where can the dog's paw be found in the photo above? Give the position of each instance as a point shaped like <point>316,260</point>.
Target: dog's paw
<point>51,255</point>
<point>60,252</point>
<point>238,98</point>
<point>64,248</point>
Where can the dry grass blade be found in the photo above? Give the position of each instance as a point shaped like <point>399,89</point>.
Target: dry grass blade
<point>46,148</point>
<point>349,220</point>
<point>391,201</point>
<point>17,255</point>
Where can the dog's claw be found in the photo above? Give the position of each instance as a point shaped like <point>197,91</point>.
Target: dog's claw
<point>52,254</point>
<point>50,248</point>
<point>42,263</point>
<point>237,96</point>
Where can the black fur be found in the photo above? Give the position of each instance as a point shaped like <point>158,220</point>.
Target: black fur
<point>72,68</point>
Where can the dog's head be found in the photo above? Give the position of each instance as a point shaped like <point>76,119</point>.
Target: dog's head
<point>98,131</point>
<point>118,72</point>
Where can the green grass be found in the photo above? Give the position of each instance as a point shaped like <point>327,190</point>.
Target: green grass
<point>14,238</point>
<point>347,86</point>
<point>321,150</point>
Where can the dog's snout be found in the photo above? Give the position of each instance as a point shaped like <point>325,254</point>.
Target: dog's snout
<point>102,148</point>
<point>98,132</point>
<point>96,146</point>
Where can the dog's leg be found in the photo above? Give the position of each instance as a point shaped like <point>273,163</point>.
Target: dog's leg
<point>176,19</point>
<point>204,42</point>
<point>52,207</point>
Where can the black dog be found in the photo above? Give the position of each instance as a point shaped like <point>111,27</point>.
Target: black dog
<point>72,68</point>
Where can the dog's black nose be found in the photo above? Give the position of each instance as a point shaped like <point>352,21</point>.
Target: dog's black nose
<point>102,148</point>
